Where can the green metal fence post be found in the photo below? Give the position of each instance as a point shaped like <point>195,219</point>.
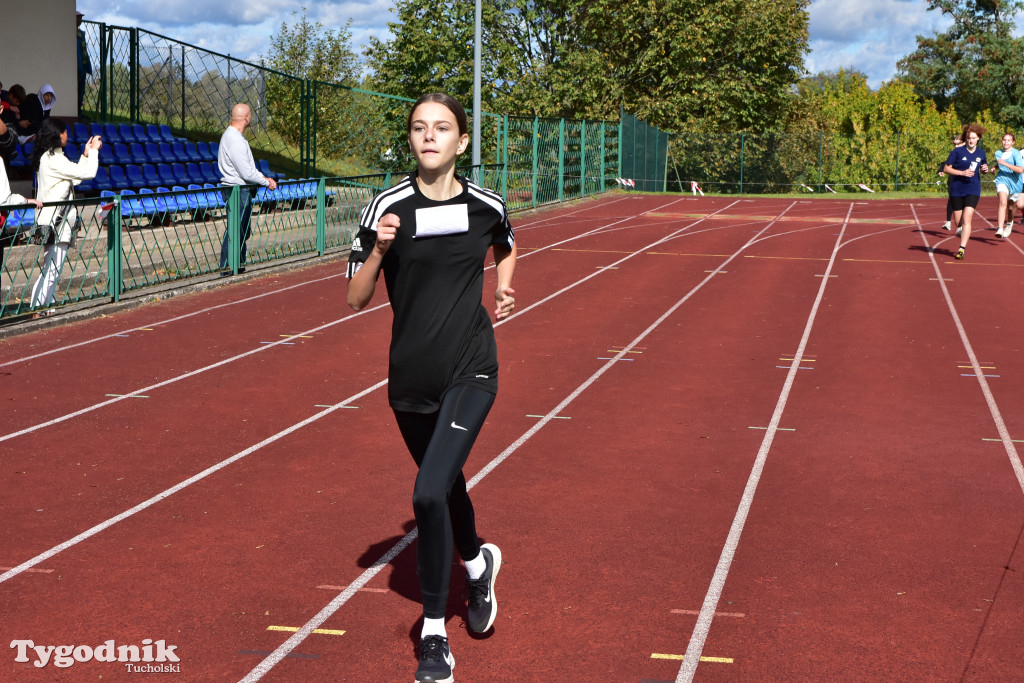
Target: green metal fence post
<point>321,216</point>
<point>536,141</point>
<point>114,267</point>
<point>583,158</point>
<point>561,159</point>
<point>183,87</point>
<point>133,71</point>
<point>234,228</point>
<point>604,143</point>
<point>743,146</point>
<point>504,156</point>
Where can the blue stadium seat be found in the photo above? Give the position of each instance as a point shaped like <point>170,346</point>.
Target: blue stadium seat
<point>215,195</point>
<point>204,151</point>
<point>118,180</point>
<point>98,129</point>
<point>139,133</point>
<point>22,218</point>
<point>130,205</point>
<point>264,167</point>
<point>134,176</point>
<point>138,154</point>
<point>198,200</point>
<point>150,175</point>
<point>152,205</point>
<point>119,153</point>
<point>78,133</point>
<point>102,180</point>
<point>209,172</point>
<point>106,154</point>
<point>166,174</point>
<point>214,150</point>
<point>111,134</point>
<point>192,169</point>
<point>180,175</point>
<point>153,153</point>
<point>164,149</point>
<point>178,202</point>
<point>153,133</point>
<point>126,133</point>
<point>19,158</point>
<point>178,150</point>
<point>167,135</point>
<point>192,152</point>
<point>72,152</point>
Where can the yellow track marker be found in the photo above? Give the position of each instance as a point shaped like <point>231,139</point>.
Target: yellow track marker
<point>556,417</point>
<point>321,631</point>
<point>297,336</point>
<point>621,350</point>
<point>715,660</point>
<point>971,367</point>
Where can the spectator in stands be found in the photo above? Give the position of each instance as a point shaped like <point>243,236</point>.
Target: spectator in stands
<point>237,168</point>
<point>32,110</point>
<point>7,142</point>
<point>55,182</point>
<point>3,94</point>
<point>84,63</point>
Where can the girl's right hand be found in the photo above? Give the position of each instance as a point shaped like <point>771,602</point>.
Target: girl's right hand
<point>387,228</point>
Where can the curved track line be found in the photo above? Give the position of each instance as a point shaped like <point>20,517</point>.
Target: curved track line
<point>707,612</point>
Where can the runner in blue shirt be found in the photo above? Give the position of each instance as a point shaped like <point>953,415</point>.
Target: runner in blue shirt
<point>965,165</point>
<point>1009,184</point>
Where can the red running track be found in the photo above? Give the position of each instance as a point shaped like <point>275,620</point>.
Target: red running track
<point>774,436</point>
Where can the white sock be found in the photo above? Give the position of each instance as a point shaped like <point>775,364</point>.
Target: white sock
<point>475,568</point>
<point>433,627</point>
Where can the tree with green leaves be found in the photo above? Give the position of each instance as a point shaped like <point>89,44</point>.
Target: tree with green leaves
<point>977,63</point>
<point>305,50</point>
<point>726,65</point>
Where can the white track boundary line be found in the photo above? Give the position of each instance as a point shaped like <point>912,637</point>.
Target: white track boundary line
<point>707,612</point>
<point>334,605</point>
<point>993,408</point>
<point>262,347</point>
<point>224,463</point>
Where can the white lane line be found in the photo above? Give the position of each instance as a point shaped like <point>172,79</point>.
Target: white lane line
<point>979,373</point>
<point>263,345</point>
<point>711,598</point>
<point>42,557</point>
<point>224,463</point>
<point>334,605</point>
<point>148,326</point>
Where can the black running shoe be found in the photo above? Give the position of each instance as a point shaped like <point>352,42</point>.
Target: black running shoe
<point>436,661</point>
<point>483,605</point>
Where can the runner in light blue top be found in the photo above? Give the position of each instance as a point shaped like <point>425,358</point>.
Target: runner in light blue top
<point>1009,184</point>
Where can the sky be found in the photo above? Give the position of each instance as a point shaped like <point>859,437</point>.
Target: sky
<point>867,35</point>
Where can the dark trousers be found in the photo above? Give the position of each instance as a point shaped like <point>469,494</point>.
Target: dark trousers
<point>440,443</point>
<point>245,216</point>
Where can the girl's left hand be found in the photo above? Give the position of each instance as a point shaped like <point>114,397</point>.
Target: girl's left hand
<point>503,296</point>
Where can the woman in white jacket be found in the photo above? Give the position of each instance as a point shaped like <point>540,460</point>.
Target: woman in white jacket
<point>56,177</point>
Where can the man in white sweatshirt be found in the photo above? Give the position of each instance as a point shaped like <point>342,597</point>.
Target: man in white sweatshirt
<point>237,167</point>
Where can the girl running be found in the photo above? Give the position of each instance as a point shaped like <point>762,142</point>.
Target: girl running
<point>965,165</point>
<point>1009,184</point>
<point>430,234</point>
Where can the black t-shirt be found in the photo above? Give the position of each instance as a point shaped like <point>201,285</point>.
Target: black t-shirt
<point>441,335</point>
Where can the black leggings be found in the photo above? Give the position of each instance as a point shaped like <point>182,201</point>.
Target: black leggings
<point>440,443</point>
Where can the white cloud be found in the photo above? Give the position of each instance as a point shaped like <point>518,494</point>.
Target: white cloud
<point>868,35</point>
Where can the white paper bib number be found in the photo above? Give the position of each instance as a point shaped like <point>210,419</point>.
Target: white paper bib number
<point>442,220</point>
